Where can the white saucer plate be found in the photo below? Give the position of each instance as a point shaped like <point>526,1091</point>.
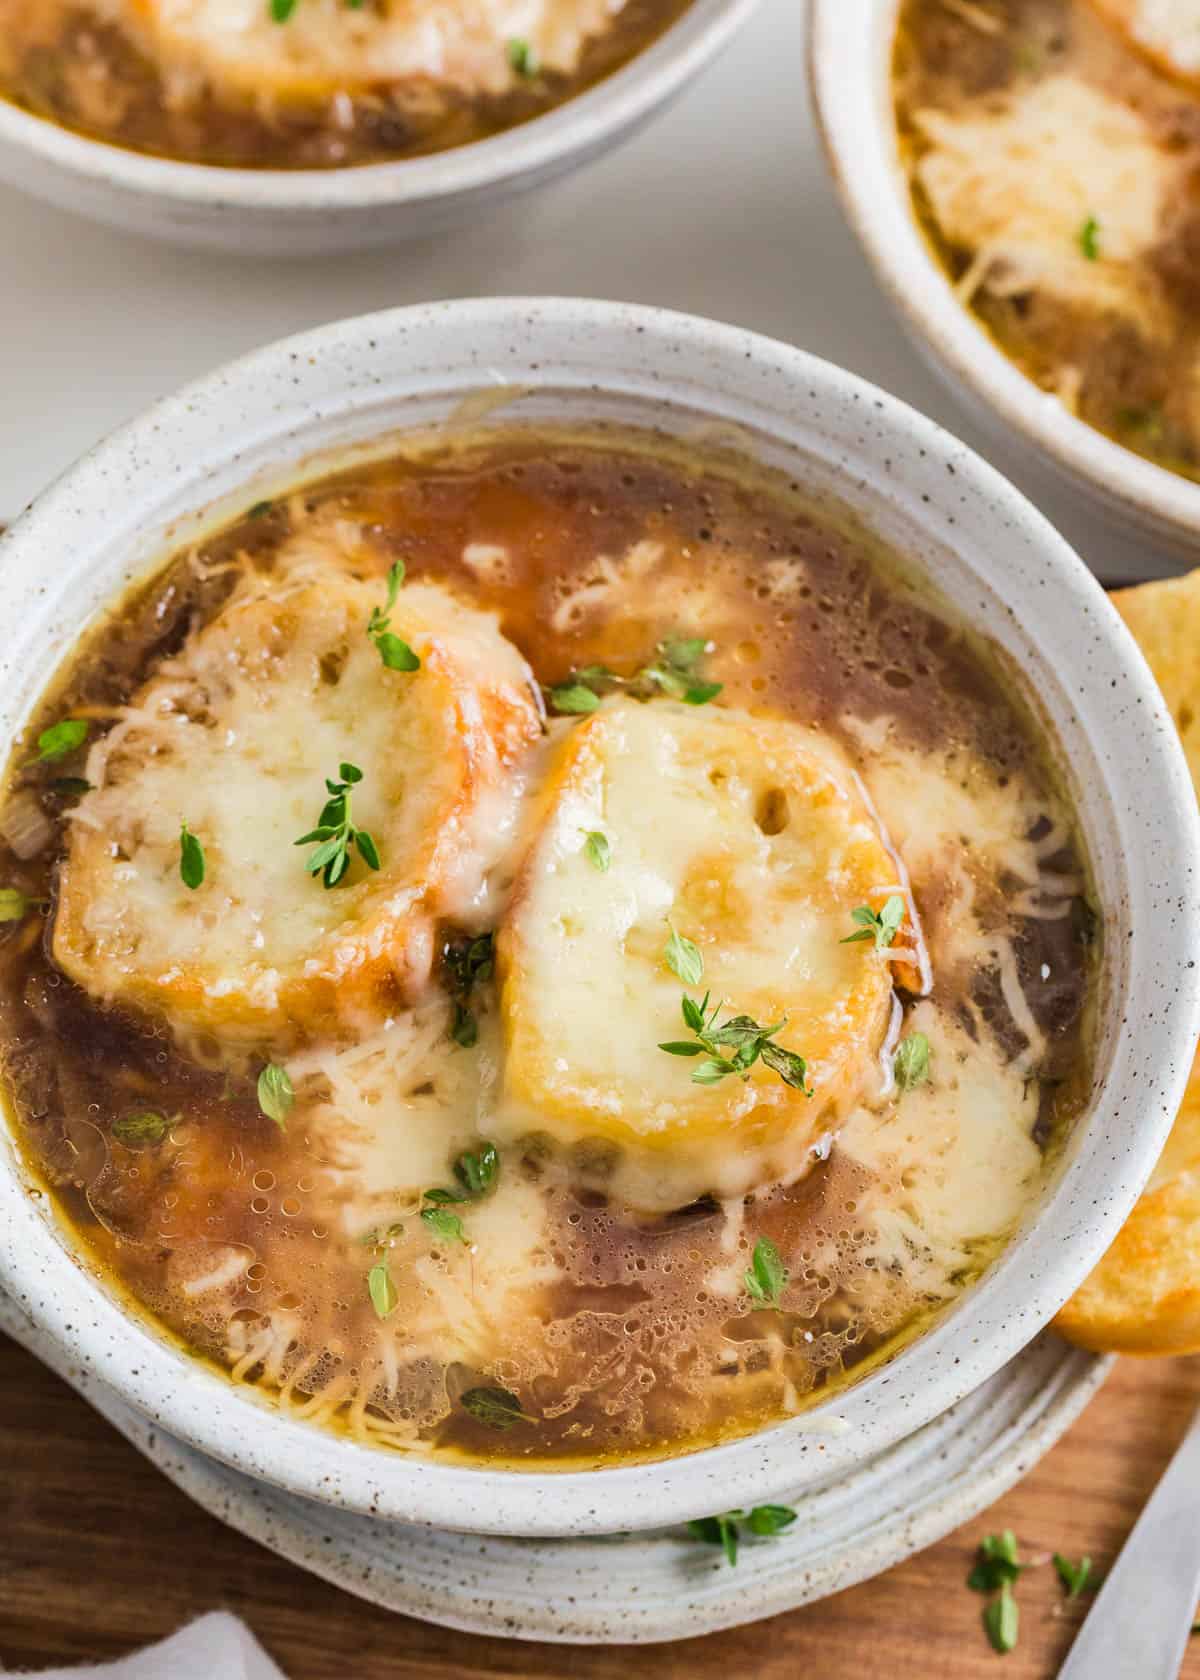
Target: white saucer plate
<point>653,1586</point>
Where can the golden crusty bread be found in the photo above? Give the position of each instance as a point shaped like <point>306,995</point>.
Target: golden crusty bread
<point>1144,1296</point>
<point>750,838</point>
<point>261,956</point>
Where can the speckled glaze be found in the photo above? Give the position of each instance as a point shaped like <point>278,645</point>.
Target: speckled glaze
<point>307,211</point>
<point>301,405</point>
<point>850,45</point>
<point>662,1585</point>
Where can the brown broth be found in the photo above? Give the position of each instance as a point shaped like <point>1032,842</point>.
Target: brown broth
<point>61,61</point>
<point>1138,388</point>
<point>812,623</point>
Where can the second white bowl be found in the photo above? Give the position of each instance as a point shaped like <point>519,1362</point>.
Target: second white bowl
<point>850,53</point>
<point>308,211</point>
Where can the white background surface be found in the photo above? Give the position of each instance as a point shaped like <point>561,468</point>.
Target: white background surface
<point>722,207</point>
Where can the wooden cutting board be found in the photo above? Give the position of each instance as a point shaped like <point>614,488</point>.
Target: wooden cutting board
<point>101,1554</point>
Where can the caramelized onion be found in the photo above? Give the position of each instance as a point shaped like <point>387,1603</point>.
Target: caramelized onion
<point>24,826</point>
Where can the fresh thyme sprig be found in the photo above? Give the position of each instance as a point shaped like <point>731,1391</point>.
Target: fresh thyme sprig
<point>393,650</point>
<point>465,962</point>
<point>336,833</point>
<point>476,1176</point>
<point>880,925</point>
<point>764,1521</point>
<point>743,1037</point>
<point>671,672</point>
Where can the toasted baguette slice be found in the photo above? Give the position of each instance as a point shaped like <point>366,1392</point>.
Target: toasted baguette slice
<point>1144,1296</point>
<point>235,737</point>
<point>326,47</point>
<point>749,838</point>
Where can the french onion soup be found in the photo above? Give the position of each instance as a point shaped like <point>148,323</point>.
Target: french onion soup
<point>1053,152</point>
<point>548,947</point>
<point>310,84</point>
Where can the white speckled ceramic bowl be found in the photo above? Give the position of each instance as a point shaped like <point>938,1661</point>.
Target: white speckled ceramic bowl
<point>305,211</point>
<point>850,49</point>
<point>303,404</point>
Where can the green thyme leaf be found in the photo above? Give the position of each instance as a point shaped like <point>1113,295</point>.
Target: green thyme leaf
<point>261,508</point>
<point>681,1047</point>
<point>497,1407</point>
<point>712,1070</point>
<point>683,958</point>
<point>60,739</point>
<point>910,1064</point>
<point>693,1013</point>
<point>14,904</point>
<point>684,652</point>
<point>767,1277</point>
<point>1089,239</point>
<point>477,1173</point>
<point>1074,1576</point>
<point>191,858</point>
<point>367,848</point>
<point>672,672</point>
<point>465,962</point>
<point>791,1068</point>
<point>598,850</point>
<point>522,57</point>
<point>770,1519</point>
<point>70,787</point>
<point>335,831</point>
<point>573,699</point>
<point>393,650</point>
<point>447,1226</point>
<point>719,1531</point>
<point>995,1563</point>
<point>275,1093</point>
<point>146,1127</point>
<point>879,925</point>
<point>382,1290</point>
<point>395,653</point>
<point>765,1521</point>
<point>1001,1620</point>
<point>395,577</point>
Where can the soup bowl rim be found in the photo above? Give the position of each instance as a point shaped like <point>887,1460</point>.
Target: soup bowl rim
<point>272,401</point>
<point>849,53</point>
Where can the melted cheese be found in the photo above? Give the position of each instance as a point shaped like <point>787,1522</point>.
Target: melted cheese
<point>1167,31</point>
<point>748,837</point>
<point>953,1167</point>
<point>1014,178</point>
<point>235,737</point>
<point>326,47</point>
